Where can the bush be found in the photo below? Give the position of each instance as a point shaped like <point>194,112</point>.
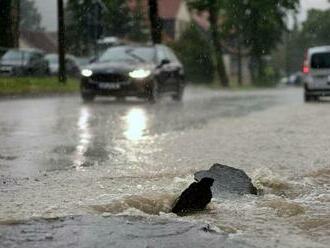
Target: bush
<point>195,52</point>
<point>36,86</point>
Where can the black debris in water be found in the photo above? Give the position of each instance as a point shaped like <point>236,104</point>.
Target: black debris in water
<point>227,180</point>
<point>195,197</point>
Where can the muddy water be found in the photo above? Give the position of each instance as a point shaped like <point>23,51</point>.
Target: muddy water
<point>118,167</point>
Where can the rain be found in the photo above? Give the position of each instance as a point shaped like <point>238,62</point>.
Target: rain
<point>112,112</point>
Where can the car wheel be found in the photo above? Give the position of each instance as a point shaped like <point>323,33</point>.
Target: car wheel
<point>87,96</point>
<point>310,98</point>
<point>179,92</point>
<point>153,92</point>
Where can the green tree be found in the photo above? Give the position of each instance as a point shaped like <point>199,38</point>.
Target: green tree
<point>195,52</point>
<point>214,7</point>
<point>118,19</point>
<point>315,30</point>
<point>77,37</point>
<point>30,18</point>
<point>261,25</point>
<point>138,29</point>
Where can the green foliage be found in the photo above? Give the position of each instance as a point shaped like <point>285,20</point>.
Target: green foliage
<point>259,26</point>
<point>214,7</point>
<point>30,18</point>
<point>194,50</point>
<point>77,36</point>
<point>118,19</point>
<point>138,29</point>
<point>32,86</point>
<point>315,30</point>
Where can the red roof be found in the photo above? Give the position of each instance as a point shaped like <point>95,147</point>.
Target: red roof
<point>44,41</point>
<point>168,9</point>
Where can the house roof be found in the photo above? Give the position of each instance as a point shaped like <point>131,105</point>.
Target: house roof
<point>46,42</point>
<point>168,9</point>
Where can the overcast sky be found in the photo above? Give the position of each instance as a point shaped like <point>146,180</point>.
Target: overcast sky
<point>48,10</point>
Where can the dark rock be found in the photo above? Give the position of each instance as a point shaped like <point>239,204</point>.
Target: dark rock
<point>195,197</point>
<point>227,180</point>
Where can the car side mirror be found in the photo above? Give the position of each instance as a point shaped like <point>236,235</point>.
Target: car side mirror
<point>164,62</point>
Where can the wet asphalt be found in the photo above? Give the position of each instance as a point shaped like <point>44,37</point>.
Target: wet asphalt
<point>39,135</point>
<point>105,174</point>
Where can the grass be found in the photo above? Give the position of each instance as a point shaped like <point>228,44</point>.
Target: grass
<point>36,86</point>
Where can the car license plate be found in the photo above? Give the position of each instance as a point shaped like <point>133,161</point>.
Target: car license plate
<point>109,86</point>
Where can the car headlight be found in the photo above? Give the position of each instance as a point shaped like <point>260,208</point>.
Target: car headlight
<point>87,72</point>
<point>140,73</point>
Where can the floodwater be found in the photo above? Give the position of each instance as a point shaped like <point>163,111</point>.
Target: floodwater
<point>106,174</point>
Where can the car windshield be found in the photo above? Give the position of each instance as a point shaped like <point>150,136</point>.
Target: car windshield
<point>139,54</point>
<point>321,61</point>
<point>14,55</point>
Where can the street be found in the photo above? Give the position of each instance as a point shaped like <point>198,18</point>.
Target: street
<point>60,157</point>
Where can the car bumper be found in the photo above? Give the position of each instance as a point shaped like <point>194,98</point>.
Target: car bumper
<point>317,92</point>
<point>128,88</point>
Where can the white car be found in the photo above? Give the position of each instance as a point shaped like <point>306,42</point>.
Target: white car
<point>317,73</point>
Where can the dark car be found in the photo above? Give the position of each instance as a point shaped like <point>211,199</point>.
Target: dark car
<point>71,64</point>
<point>131,70</point>
<point>23,62</point>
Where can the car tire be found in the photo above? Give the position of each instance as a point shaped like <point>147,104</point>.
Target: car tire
<point>179,93</point>
<point>153,92</point>
<point>310,98</point>
<point>87,96</point>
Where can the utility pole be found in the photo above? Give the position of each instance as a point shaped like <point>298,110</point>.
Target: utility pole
<point>155,23</point>
<point>61,42</point>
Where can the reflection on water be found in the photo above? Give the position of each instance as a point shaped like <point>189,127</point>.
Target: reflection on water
<point>136,123</point>
<point>84,138</point>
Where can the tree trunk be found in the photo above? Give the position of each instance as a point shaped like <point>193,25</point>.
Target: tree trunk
<point>239,64</point>
<point>155,22</point>
<point>213,11</point>
<point>9,23</point>
<point>61,42</point>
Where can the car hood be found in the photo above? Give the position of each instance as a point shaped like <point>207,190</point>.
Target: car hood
<point>118,67</point>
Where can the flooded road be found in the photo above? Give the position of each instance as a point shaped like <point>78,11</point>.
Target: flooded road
<point>117,167</point>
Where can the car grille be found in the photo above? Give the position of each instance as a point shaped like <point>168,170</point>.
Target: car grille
<point>109,77</point>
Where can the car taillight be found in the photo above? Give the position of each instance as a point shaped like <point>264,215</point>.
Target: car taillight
<point>305,66</point>
<point>305,69</point>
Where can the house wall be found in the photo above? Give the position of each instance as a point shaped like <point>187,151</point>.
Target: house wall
<point>24,44</point>
<point>182,20</point>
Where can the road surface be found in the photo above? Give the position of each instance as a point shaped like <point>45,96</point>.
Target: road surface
<point>104,173</point>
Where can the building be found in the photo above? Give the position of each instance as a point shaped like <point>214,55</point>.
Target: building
<point>44,41</point>
<point>174,15</point>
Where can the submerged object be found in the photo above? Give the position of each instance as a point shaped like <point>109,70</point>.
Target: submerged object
<point>228,180</point>
<point>195,197</point>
